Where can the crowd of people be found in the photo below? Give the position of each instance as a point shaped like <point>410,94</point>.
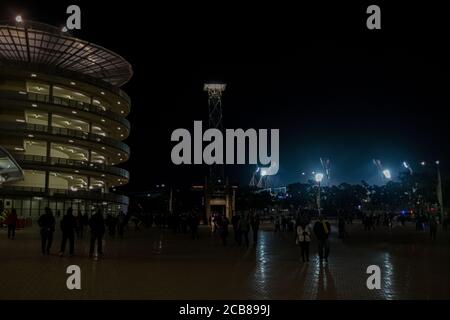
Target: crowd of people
<point>371,221</point>
<point>300,222</point>
<point>73,227</point>
<point>245,226</point>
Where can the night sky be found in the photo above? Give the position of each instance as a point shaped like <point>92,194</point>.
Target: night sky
<point>332,87</point>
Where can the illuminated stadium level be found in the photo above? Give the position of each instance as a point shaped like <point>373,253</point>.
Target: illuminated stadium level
<point>63,119</point>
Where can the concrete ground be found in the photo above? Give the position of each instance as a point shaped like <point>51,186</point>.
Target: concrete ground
<point>158,264</point>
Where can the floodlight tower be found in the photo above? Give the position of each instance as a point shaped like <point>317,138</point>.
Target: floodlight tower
<point>318,177</point>
<point>219,195</point>
<point>215,90</point>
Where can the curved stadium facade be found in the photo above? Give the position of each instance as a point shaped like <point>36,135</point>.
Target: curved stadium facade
<point>63,118</point>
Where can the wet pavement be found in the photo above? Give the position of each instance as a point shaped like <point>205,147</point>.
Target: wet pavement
<point>155,264</point>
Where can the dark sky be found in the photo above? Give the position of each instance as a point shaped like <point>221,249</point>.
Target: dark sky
<point>332,87</point>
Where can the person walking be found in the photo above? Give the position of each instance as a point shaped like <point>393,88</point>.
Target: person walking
<point>214,223</point>
<point>136,221</point>
<point>47,224</point>
<point>79,225</point>
<point>244,228</point>
<point>322,229</point>
<point>304,238</point>
<point>445,223</point>
<point>433,228</point>
<point>223,229</point>
<point>97,225</point>
<point>108,223</point>
<point>194,221</point>
<point>84,223</point>
<point>277,224</point>
<point>11,221</point>
<point>255,228</point>
<point>121,223</point>
<point>68,225</point>
<point>341,227</point>
<point>236,230</point>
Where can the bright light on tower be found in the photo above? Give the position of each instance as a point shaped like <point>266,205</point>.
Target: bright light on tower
<point>422,163</point>
<point>405,165</point>
<point>387,174</point>
<point>19,19</point>
<point>437,161</point>
<point>214,87</point>
<point>318,177</point>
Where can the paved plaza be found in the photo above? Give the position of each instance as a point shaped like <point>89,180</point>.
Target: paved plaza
<point>158,264</point>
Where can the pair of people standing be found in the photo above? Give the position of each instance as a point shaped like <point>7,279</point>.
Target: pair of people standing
<point>322,229</point>
<point>47,224</point>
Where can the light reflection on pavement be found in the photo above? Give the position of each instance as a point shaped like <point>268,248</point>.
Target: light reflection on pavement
<point>155,264</point>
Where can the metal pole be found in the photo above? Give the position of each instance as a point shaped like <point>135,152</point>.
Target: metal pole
<point>170,201</point>
<point>439,192</point>
<point>318,199</point>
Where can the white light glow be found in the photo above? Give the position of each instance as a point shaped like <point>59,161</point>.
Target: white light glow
<point>318,177</point>
<point>387,174</point>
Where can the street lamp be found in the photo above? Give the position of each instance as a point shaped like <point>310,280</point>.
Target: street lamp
<point>439,191</point>
<point>318,177</point>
